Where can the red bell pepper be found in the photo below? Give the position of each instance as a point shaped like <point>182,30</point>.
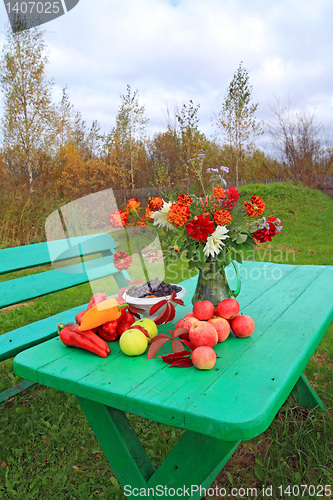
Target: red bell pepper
<point>126,321</point>
<point>79,316</point>
<point>70,335</point>
<point>123,310</point>
<point>108,331</point>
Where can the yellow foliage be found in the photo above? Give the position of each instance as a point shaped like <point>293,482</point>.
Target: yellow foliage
<point>79,176</point>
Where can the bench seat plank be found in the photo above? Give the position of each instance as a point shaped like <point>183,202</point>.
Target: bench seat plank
<point>14,342</point>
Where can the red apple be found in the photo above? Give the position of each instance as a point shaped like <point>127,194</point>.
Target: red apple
<point>203,310</point>
<point>203,334</point>
<point>204,358</point>
<point>186,322</point>
<point>222,326</point>
<point>228,308</point>
<point>243,325</point>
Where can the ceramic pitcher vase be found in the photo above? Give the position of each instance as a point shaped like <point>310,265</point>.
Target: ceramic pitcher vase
<point>213,284</point>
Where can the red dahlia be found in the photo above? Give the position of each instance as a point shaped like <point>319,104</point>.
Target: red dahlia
<point>268,230</point>
<point>200,227</point>
<point>232,197</point>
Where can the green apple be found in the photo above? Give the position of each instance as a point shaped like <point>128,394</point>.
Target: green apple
<point>133,342</point>
<point>149,325</point>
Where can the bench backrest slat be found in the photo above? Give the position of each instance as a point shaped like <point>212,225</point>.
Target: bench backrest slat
<point>38,254</point>
<point>36,285</point>
<point>76,261</point>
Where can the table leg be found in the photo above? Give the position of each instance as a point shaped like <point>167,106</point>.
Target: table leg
<point>119,442</point>
<point>305,394</point>
<point>191,466</point>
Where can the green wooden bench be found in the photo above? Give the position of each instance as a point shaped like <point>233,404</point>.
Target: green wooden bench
<point>77,260</point>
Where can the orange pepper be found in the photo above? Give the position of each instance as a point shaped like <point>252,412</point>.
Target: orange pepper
<point>107,310</point>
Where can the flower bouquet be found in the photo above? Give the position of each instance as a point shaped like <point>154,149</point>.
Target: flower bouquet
<point>210,232</point>
<point>213,231</point>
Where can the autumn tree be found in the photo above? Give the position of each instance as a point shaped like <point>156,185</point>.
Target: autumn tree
<point>163,151</point>
<point>237,120</point>
<point>297,140</point>
<point>72,130</point>
<point>28,121</point>
<point>125,144</point>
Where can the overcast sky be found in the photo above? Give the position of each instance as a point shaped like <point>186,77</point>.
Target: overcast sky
<point>172,51</point>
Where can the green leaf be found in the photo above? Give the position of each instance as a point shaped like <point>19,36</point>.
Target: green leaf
<point>223,259</point>
<point>241,238</point>
<point>230,478</point>
<point>190,251</point>
<point>192,264</point>
<point>201,255</point>
<point>259,472</point>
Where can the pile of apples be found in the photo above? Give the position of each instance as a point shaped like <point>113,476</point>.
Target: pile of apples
<point>208,325</point>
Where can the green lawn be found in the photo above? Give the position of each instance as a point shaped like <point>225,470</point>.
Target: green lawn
<point>47,450</point>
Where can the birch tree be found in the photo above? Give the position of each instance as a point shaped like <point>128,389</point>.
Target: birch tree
<point>237,120</point>
<point>28,121</point>
<point>125,143</point>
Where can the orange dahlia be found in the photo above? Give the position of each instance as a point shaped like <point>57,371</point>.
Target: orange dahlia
<point>255,206</point>
<point>155,203</point>
<point>133,204</point>
<point>122,261</point>
<point>219,193</point>
<point>148,214</point>
<point>178,214</point>
<point>222,217</point>
<point>118,218</point>
<point>185,200</point>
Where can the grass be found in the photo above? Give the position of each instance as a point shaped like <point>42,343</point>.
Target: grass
<point>48,451</point>
<point>307,219</point>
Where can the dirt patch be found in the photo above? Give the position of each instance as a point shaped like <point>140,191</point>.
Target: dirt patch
<point>16,306</point>
<point>241,468</point>
<point>322,358</point>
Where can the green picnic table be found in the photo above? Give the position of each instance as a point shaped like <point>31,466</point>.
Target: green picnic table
<point>235,401</point>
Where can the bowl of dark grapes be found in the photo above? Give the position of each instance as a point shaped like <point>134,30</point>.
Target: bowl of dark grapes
<point>146,295</point>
